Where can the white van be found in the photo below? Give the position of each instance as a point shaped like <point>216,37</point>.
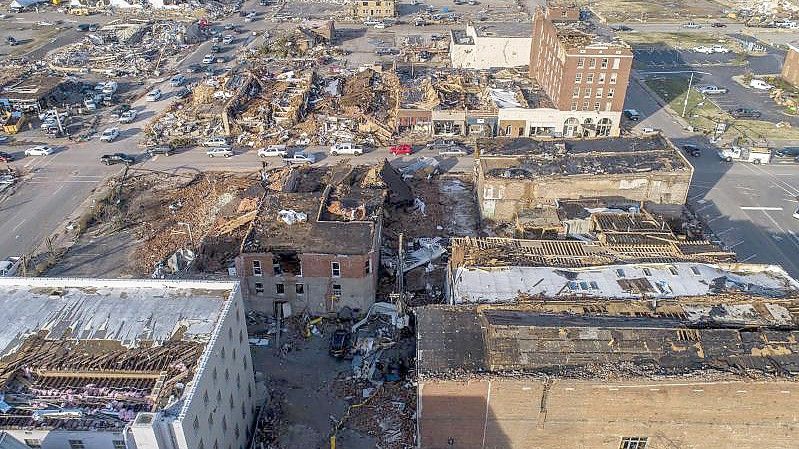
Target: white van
<point>760,84</point>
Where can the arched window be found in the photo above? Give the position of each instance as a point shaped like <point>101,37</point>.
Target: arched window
<point>603,127</point>
<point>588,127</point>
<point>570,127</point>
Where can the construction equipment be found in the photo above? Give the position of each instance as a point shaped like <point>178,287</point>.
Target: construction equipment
<point>12,122</point>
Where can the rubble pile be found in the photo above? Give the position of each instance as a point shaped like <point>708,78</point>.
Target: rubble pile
<point>388,414</point>
<point>182,221</point>
<point>135,48</point>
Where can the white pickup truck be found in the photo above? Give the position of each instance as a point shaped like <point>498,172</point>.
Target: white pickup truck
<point>346,148</point>
<point>755,155</point>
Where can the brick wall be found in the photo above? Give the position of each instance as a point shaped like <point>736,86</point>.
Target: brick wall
<point>790,68</point>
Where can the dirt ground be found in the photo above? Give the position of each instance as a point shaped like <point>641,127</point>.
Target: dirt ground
<point>614,11</point>
<point>312,394</point>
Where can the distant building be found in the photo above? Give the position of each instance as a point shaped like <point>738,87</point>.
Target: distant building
<point>790,68</point>
<point>580,69</point>
<point>374,9</point>
<point>315,244</point>
<point>514,175</point>
<point>124,364</point>
<point>479,48</point>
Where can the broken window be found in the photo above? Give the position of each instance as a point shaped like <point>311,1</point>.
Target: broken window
<point>580,63</point>
<point>592,63</point>
<point>599,92</point>
<point>335,269</point>
<point>576,92</point>
<point>601,78</point>
<point>695,271</point>
<point>604,63</point>
<point>611,91</point>
<point>337,290</point>
<point>280,289</point>
<point>259,287</point>
<point>633,443</point>
<point>647,272</point>
<point>300,289</point>
<point>287,263</point>
<point>620,272</point>
<point>597,106</point>
<point>613,77</point>
<point>603,127</point>
<point>256,268</point>
<point>367,267</point>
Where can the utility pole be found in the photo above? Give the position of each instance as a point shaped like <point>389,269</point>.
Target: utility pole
<point>687,94</point>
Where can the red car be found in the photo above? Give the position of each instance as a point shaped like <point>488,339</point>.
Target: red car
<point>404,148</point>
<point>5,157</point>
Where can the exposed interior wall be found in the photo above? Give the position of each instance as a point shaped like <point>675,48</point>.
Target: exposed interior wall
<point>568,414</point>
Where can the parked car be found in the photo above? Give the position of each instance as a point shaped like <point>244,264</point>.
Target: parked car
<point>117,158</point>
<point>219,152</point>
<point>166,151</point>
<point>692,150</point>
<point>621,28</point>
<point>711,89</point>
<point>787,152</point>
<point>691,25</point>
<point>760,85</point>
<point>11,41</point>
<point>370,23</point>
<point>177,80</point>
<point>632,114</point>
<point>109,135</point>
<point>346,148</point>
<point>745,113</point>
<point>273,151</point>
<point>154,95</point>
<point>5,157</point>
<point>340,343</point>
<point>796,214</point>
<point>215,142</point>
<point>39,150</point>
<point>703,49</point>
<point>299,157</point>
<point>183,92</point>
<point>208,59</point>
<point>227,39</point>
<point>438,143</point>
<point>455,150</point>
<point>720,49</point>
<point>128,116</point>
<point>380,26</point>
<point>718,25</point>
<point>401,149</point>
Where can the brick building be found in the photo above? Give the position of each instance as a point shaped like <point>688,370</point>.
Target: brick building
<point>516,175</point>
<point>580,69</point>
<point>790,68</point>
<point>374,9</point>
<point>315,244</point>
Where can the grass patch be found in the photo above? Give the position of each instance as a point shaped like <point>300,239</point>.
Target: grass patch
<point>647,10</point>
<point>674,40</point>
<point>703,114</point>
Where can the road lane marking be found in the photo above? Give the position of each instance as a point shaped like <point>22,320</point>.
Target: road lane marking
<point>749,258</point>
<point>18,225</point>
<point>763,208</point>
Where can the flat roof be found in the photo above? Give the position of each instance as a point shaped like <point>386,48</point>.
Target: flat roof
<point>340,207</point>
<point>527,158</point>
<point>102,350</point>
<point>589,339</point>
<point>504,29</point>
<point>481,285</point>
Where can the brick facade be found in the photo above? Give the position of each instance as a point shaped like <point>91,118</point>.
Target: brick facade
<point>790,68</point>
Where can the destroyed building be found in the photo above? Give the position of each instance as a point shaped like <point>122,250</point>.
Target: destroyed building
<point>29,93</point>
<point>515,175</point>
<point>315,243</point>
<point>578,67</point>
<point>146,364</point>
<point>704,371</point>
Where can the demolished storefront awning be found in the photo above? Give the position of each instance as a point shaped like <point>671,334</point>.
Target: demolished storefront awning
<point>25,3</point>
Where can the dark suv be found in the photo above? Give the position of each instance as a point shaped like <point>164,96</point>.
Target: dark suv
<point>117,158</point>
<point>5,157</point>
<point>166,151</point>
<point>745,113</point>
<point>340,343</point>
<point>692,150</point>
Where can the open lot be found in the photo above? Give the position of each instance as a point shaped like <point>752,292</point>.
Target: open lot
<point>662,11</point>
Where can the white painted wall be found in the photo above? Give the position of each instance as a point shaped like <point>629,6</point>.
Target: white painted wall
<point>545,117</point>
<point>59,439</point>
<point>488,51</point>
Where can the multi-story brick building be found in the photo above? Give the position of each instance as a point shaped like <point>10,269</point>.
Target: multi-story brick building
<point>790,68</point>
<point>578,68</point>
<point>373,9</point>
<point>315,245</point>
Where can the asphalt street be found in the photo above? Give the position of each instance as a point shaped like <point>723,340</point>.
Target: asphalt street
<point>749,208</point>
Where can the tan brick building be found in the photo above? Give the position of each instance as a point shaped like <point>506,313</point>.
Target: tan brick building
<point>579,69</point>
<point>374,9</point>
<point>514,175</point>
<point>790,68</point>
